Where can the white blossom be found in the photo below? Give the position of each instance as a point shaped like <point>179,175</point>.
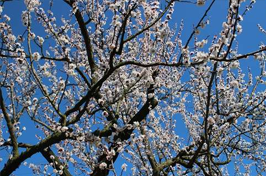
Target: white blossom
<point>103,165</point>
<point>124,167</point>
<point>36,56</point>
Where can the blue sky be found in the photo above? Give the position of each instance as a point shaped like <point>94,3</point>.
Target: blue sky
<point>249,40</point>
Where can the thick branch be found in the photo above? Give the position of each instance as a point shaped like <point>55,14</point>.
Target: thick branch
<point>13,163</point>
<point>156,171</point>
<point>10,126</point>
<point>124,135</point>
<point>86,38</point>
<point>47,153</point>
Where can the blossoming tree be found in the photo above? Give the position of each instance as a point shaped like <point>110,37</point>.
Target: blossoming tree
<point>112,80</point>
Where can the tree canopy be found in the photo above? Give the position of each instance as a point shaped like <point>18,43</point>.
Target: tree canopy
<point>112,81</point>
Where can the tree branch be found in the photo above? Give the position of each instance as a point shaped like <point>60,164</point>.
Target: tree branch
<point>86,38</point>
<point>10,126</point>
<point>47,153</point>
<point>13,163</point>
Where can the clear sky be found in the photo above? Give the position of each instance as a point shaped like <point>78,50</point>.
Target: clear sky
<point>248,41</point>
